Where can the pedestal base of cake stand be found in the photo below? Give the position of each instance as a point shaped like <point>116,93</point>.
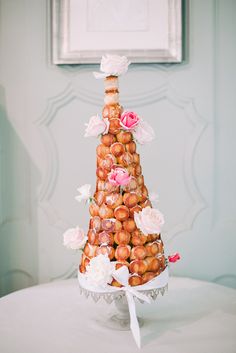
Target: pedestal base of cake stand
<point>120,320</point>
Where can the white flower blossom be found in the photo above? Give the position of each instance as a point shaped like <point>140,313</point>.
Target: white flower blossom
<point>96,126</point>
<point>149,220</point>
<point>74,238</point>
<point>85,193</point>
<point>143,132</point>
<point>99,271</point>
<point>112,65</point>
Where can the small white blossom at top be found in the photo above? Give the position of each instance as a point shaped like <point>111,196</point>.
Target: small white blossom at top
<point>112,65</point>
<point>85,193</point>
<point>99,271</point>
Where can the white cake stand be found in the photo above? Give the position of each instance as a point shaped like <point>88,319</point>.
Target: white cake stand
<point>120,319</point>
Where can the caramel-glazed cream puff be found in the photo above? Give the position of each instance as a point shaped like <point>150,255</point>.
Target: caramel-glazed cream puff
<point>122,237</point>
<point>112,111</point>
<point>124,137</point>
<point>108,139</point>
<point>117,149</point>
<point>130,199</point>
<point>122,252</point>
<point>114,127</point>
<point>105,250</point>
<point>121,213</point>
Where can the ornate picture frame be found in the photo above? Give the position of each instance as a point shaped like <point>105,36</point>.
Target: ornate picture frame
<point>146,31</point>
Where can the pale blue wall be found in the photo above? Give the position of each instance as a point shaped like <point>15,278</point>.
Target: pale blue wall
<point>43,156</point>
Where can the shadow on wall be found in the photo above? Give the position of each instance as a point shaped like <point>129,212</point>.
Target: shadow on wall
<point>18,231</point>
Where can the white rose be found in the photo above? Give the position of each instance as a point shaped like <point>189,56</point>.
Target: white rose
<point>112,65</point>
<point>85,193</point>
<point>143,133</point>
<point>96,126</point>
<point>99,271</point>
<point>74,238</point>
<point>149,220</point>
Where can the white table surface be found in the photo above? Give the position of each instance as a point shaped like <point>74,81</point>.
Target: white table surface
<point>192,317</point>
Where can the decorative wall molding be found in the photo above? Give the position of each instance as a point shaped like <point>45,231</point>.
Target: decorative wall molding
<point>163,92</point>
<point>190,180</point>
<point>1,177</point>
<point>71,272</point>
<point>228,279</point>
<point>9,280</point>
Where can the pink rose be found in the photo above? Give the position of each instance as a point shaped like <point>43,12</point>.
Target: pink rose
<point>174,258</point>
<point>119,176</point>
<point>96,126</point>
<point>74,238</point>
<point>129,120</point>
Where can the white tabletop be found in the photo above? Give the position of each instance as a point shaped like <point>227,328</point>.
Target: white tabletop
<point>192,317</point>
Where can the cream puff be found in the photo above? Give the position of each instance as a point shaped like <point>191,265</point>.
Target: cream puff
<point>114,126</point>
<point>152,249</point>
<point>108,139</point>
<point>138,238</point>
<point>153,263</point>
<point>130,147</point>
<point>138,252</point>
<point>105,212</point>
<point>125,159</point>
<point>121,213</point>
<point>112,111</point>
<point>93,237</point>
<point>117,149</point>
<point>102,150</point>
<point>108,224</point>
<point>118,226</point>
<point>95,223</point>
<point>122,237</point>
<point>105,250</point>
<point>121,264</point>
<point>130,199</point>
<point>90,250</point>
<point>124,137</point>
<point>99,197</point>
<point>129,225</point>
<point>108,162</point>
<point>135,280</point>
<point>93,209</point>
<point>101,173</point>
<point>114,200</point>
<point>136,158</point>
<point>138,267</point>
<point>105,238</point>
<point>136,209</point>
<point>122,252</point>
<point>140,180</point>
<point>148,276</point>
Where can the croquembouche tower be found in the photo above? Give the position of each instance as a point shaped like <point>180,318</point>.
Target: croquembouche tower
<point>120,199</point>
<point>123,248</point>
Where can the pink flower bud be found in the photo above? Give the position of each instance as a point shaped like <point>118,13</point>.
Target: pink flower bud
<point>173,258</point>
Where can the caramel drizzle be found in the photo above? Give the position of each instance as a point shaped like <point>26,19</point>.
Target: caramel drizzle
<point>112,91</point>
